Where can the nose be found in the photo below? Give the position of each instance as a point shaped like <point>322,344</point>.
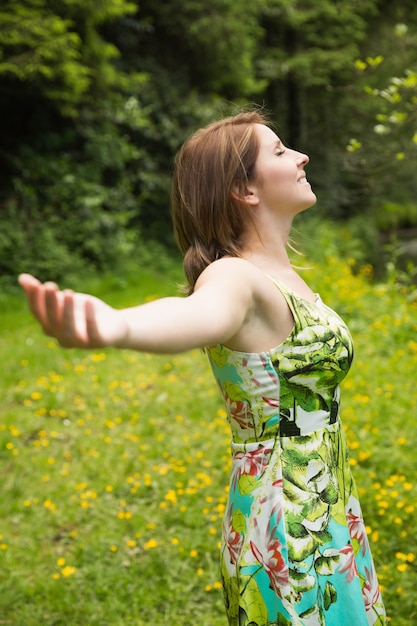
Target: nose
<point>301,158</point>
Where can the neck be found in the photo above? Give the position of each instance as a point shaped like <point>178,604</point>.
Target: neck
<point>266,245</point>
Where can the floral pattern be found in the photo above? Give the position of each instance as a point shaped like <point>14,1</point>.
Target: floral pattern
<point>294,550</point>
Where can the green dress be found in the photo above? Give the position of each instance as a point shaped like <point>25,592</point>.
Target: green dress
<point>294,548</point>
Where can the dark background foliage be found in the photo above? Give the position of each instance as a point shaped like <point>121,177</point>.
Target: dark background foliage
<point>97,97</point>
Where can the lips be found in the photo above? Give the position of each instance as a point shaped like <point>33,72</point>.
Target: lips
<point>302,180</point>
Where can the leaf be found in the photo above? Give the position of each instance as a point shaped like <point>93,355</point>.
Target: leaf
<point>301,547</point>
<point>356,545</point>
<point>330,494</point>
<point>238,521</point>
<point>338,513</point>
<point>231,589</point>
<point>247,484</point>
<point>312,612</point>
<point>219,356</point>
<point>252,602</point>
<point>321,536</point>
<point>326,565</point>
<point>302,581</point>
<point>295,458</point>
<point>330,595</point>
<point>234,392</point>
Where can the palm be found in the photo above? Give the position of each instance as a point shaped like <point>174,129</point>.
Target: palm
<point>76,320</point>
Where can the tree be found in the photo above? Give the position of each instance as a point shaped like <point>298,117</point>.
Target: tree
<point>211,47</point>
<point>383,146</point>
<point>55,51</point>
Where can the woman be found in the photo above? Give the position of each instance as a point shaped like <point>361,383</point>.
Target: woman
<point>294,544</point>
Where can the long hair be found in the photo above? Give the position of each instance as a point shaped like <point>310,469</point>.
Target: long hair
<point>212,170</point>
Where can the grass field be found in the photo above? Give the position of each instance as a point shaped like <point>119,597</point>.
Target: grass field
<point>114,465</point>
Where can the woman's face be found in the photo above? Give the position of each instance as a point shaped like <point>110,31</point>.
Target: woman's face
<point>280,184</point>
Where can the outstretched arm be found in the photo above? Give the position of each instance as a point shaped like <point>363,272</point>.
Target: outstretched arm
<point>212,314</point>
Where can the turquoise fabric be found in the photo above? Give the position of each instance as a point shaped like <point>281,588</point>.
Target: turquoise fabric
<point>294,548</point>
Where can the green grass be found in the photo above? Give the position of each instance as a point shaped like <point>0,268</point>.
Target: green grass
<point>114,465</point>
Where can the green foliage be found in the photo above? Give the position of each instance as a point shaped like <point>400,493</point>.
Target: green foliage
<point>222,46</point>
<point>72,215</point>
<point>384,107</point>
<point>57,52</point>
<point>107,91</point>
<point>117,462</point>
<point>316,42</point>
<point>394,215</point>
<point>40,49</point>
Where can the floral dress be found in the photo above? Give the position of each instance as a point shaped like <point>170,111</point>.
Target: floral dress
<point>294,548</point>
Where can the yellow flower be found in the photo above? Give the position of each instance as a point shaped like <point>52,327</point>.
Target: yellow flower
<point>171,496</point>
<point>68,571</point>
<point>151,543</point>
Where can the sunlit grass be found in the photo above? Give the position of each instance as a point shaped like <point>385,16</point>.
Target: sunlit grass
<point>114,465</point>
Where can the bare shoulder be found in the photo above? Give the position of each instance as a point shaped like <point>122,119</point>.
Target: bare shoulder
<point>229,280</point>
<point>234,270</point>
<point>241,276</point>
<point>266,320</point>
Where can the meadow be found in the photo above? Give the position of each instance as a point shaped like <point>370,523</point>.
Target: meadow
<point>114,465</point>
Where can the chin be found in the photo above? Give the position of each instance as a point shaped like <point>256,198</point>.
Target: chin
<point>308,205</point>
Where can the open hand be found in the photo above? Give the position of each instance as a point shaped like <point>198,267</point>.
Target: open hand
<point>76,320</point>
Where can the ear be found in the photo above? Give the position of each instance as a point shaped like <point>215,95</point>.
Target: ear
<point>249,195</point>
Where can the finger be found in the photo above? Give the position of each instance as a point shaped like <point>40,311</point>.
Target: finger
<point>93,333</point>
<point>70,333</point>
<point>27,279</point>
<point>35,296</point>
<point>52,307</point>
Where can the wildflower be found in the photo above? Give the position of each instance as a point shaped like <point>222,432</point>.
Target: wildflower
<point>151,543</point>
<point>171,496</point>
<point>68,571</point>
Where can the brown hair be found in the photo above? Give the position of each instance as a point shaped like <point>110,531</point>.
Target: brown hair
<point>211,172</point>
